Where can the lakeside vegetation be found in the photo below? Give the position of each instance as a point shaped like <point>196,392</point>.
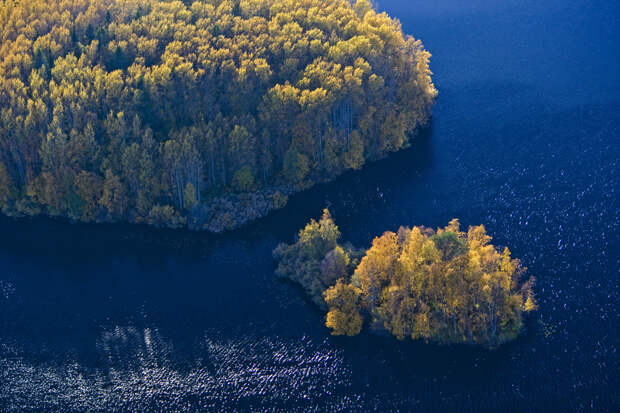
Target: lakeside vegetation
<point>203,113</point>
<point>445,286</point>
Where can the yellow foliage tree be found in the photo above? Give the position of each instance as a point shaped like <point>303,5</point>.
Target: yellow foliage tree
<point>212,93</point>
<point>444,285</point>
<point>343,316</point>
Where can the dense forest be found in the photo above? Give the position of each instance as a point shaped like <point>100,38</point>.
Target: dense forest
<point>203,113</point>
<point>444,286</point>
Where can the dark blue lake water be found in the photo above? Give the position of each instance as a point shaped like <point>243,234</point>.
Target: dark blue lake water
<point>525,139</point>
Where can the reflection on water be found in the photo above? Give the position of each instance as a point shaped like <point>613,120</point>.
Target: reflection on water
<point>6,290</point>
<point>247,372</point>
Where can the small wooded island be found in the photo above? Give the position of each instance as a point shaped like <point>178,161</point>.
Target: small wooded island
<point>197,113</point>
<point>445,286</point>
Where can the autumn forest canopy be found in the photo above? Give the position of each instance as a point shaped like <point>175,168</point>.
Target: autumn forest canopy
<point>446,286</point>
<point>202,113</point>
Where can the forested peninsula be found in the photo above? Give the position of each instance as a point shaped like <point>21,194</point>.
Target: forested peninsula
<point>204,113</point>
<point>445,286</point>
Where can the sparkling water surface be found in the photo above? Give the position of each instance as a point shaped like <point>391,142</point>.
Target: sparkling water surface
<point>525,138</point>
